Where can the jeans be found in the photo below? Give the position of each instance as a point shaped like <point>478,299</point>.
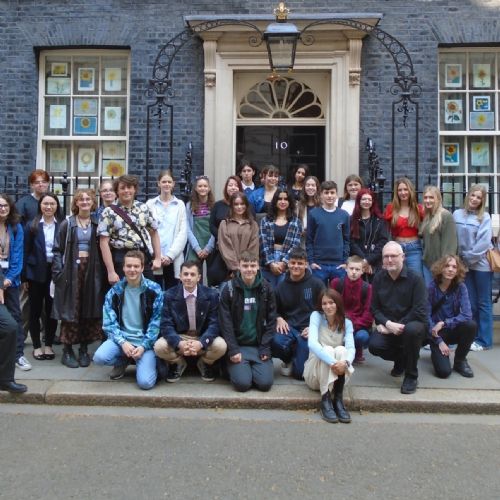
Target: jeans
<point>291,348</point>
<point>462,335</point>
<point>361,338</point>
<point>11,301</point>
<point>110,353</point>
<point>403,349</point>
<point>251,370</point>
<point>272,278</point>
<point>479,285</point>
<point>413,255</point>
<point>427,275</point>
<point>328,272</point>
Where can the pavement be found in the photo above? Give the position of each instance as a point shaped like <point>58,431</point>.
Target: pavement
<point>371,388</point>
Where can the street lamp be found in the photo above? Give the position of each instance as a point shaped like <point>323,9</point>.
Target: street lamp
<point>281,40</point>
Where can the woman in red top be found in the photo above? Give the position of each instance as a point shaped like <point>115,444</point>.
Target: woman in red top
<point>404,216</point>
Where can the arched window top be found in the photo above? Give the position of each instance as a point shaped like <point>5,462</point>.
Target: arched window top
<point>281,97</point>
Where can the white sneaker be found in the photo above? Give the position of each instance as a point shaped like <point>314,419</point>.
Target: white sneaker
<point>286,369</point>
<point>23,364</point>
<point>476,347</point>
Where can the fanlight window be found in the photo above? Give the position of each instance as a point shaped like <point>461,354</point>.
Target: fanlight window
<point>280,98</point>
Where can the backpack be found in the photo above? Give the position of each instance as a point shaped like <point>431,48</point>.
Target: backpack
<point>364,289</point>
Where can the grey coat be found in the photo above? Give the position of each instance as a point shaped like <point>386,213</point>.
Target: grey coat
<point>65,275</point>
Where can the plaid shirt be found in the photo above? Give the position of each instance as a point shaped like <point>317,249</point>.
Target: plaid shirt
<point>266,236</point>
<point>121,235</point>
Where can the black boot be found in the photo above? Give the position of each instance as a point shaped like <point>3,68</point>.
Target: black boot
<point>68,358</point>
<point>326,409</point>
<point>83,356</point>
<point>338,401</point>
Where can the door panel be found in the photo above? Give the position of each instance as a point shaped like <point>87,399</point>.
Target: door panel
<point>284,147</point>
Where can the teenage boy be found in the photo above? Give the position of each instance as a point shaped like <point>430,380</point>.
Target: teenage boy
<point>296,299</point>
<point>189,326</point>
<point>327,240</point>
<point>357,295</point>
<point>247,173</point>
<point>247,318</point>
<point>127,225</point>
<point>131,321</point>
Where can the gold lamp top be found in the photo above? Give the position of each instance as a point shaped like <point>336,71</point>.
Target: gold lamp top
<point>281,12</point>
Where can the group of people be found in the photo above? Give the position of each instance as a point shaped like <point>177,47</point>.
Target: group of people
<point>294,273</point>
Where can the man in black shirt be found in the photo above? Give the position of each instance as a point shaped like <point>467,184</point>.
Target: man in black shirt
<point>399,306</point>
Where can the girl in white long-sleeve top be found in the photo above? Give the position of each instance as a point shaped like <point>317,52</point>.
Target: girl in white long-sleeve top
<point>474,240</point>
<point>331,352</point>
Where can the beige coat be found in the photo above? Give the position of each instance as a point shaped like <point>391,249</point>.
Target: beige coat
<point>234,238</point>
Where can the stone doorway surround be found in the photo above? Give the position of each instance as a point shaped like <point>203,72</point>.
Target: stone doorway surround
<point>336,50</point>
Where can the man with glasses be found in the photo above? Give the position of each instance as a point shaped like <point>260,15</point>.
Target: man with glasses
<point>399,306</point>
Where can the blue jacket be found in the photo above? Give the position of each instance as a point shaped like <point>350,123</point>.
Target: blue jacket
<point>256,199</point>
<point>15,255</point>
<point>151,304</point>
<point>454,310</point>
<point>35,258</point>
<point>175,321</point>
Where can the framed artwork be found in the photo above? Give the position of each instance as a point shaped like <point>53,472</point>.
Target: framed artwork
<point>482,120</point>
<point>58,159</point>
<point>58,85</point>
<point>451,154</point>
<point>59,69</point>
<point>112,118</point>
<point>453,111</point>
<point>86,79</point>
<point>85,125</point>
<point>113,168</point>
<point>57,116</point>
<point>481,76</point>
<point>112,79</point>
<point>481,103</point>
<point>86,160</point>
<point>453,75</point>
<point>113,150</point>
<point>480,154</point>
<point>85,107</point>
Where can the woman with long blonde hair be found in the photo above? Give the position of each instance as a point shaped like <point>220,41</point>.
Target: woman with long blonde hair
<point>438,231</point>
<point>474,240</point>
<point>404,215</point>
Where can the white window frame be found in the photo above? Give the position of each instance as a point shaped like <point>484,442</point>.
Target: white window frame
<point>467,135</point>
<point>44,139</point>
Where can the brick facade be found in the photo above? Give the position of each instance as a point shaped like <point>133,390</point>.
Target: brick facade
<point>144,26</point>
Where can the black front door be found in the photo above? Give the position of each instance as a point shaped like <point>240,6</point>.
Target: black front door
<point>284,147</point>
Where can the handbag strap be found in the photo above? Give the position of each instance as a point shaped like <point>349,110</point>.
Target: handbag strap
<point>131,223</point>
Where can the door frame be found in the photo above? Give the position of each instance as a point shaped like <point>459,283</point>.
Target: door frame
<point>226,57</point>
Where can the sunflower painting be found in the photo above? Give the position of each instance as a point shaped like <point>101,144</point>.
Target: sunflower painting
<point>113,168</point>
<point>453,113</point>
<point>451,154</point>
<point>481,76</point>
<point>453,75</point>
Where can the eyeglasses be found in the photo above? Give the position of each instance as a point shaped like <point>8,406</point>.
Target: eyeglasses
<point>40,183</point>
<point>3,207</point>
<point>391,256</point>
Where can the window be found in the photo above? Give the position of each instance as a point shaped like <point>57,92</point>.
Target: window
<point>469,127</point>
<point>83,114</point>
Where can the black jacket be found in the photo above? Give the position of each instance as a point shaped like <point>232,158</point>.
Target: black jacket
<point>373,235</point>
<point>231,315</point>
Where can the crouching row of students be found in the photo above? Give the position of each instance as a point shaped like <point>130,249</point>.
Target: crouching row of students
<point>300,322</point>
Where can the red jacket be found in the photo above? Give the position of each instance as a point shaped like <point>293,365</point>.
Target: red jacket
<point>358,312</point>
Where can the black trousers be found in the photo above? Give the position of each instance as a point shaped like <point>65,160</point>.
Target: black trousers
<point>40,300</point>
<point>8,332</point>
<point>403,349</point>
<point>463,335</point>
